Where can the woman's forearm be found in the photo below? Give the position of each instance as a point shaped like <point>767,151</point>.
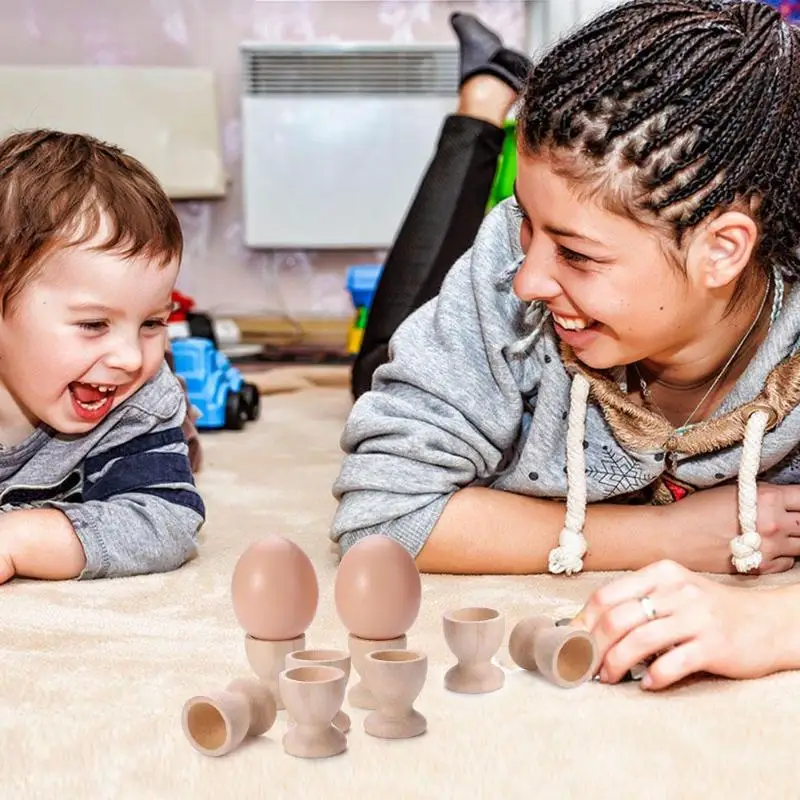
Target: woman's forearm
<point>486,531</point>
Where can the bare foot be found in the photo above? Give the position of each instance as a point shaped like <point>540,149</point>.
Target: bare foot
<point>486,97</point>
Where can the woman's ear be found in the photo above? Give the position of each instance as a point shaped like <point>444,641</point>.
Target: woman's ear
<point>721,250</point>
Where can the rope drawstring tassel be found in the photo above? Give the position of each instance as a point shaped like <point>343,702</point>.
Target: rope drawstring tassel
<point>746,548</point>
<point>567,558</point>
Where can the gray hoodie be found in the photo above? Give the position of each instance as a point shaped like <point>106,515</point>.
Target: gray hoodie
<point>126,485</point>
<point>479,391</point>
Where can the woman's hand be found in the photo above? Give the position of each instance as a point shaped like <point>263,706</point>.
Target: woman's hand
<point>698,626</point>
<point>703,525</point>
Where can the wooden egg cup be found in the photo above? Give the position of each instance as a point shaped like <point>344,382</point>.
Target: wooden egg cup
<point>268,660</point>
<point>396,678</point>
<point>360,695</point>
<point>474,636</point>
<point>562,654</point>
<point>312,696</point>
<point>217,723</point>
<point>323,658</point>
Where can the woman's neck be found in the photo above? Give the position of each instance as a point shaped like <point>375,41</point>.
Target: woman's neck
<point>728,344</point>
<point>695,382</point>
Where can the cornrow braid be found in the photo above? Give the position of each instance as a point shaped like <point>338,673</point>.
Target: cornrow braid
<point>781,206</point>
<point>591,41</point>
<point>718,152</point>
<point>675,109</point>
<point>572,82</point>
<point>719,86</point>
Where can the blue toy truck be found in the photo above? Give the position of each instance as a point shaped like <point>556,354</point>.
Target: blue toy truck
<point>215,387</point>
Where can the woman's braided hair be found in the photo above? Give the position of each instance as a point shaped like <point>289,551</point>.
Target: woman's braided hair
<point>671,109</point>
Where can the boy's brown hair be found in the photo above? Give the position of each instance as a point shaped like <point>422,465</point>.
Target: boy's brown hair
<point>56,189</point>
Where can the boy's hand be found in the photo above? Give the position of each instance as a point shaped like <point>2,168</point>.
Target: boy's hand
<point>39,543</point>
<point>704,524</point>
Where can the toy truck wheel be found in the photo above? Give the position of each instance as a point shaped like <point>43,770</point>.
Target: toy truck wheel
<point>235,411</point>
<point>252,400</point>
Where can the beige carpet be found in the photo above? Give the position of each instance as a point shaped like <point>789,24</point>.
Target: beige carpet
<point>94,675</point>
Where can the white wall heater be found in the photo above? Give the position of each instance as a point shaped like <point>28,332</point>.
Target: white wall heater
<point>336,139</point>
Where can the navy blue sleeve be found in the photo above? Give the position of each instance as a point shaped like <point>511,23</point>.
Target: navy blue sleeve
<point>149,464</point>
<point>140,511</point>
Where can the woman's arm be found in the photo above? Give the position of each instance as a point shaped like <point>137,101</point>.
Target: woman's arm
<point>695,624</point>
<point>447,409</point>
<point>484,531</point>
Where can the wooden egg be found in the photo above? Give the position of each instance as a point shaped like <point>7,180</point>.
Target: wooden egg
<point>378,589</point>
<point>274,590</point>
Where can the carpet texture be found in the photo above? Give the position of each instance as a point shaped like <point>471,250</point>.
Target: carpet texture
<point>94,675</point>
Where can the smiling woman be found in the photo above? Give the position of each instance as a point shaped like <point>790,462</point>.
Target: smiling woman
<point>621,293</point>
<point>624,331</point>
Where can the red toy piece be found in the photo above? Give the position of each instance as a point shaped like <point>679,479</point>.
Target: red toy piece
<point>181,305</point>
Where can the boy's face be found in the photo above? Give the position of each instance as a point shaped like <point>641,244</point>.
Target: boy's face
<point>614,295</point>
<point>84,335</point>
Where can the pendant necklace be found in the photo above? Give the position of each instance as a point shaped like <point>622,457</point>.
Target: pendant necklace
<point>687,425</point>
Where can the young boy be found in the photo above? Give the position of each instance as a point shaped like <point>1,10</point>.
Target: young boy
<point>95,479</point>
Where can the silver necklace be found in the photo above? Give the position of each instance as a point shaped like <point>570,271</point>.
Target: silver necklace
<point>647,394</point>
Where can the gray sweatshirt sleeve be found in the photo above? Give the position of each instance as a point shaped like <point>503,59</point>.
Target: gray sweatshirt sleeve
<point>445,408</point>
<point>141,512</point>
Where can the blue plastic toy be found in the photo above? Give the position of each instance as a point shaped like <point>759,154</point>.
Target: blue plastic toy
<point>362,283</point>
<point>216,388</point>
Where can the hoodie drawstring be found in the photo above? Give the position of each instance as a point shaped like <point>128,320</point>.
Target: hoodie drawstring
<point>745,548</point>
<point>567,558</point>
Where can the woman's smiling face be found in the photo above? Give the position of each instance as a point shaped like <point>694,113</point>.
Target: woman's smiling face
<point>615,296</point>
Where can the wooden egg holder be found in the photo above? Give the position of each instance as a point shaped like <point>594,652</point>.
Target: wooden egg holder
<point>311,684</point>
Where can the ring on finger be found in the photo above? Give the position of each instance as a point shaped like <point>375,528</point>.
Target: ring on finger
<point>647,607</point>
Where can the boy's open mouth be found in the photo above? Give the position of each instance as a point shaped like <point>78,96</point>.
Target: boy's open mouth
<point>92,400</point>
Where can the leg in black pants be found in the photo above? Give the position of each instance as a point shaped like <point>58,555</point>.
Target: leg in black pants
<point>451,199</point>
<point>440,226</point>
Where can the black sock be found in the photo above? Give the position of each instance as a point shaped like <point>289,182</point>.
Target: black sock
<point>512,67</point>
<point>482,53</point>
<point>477,44</point>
